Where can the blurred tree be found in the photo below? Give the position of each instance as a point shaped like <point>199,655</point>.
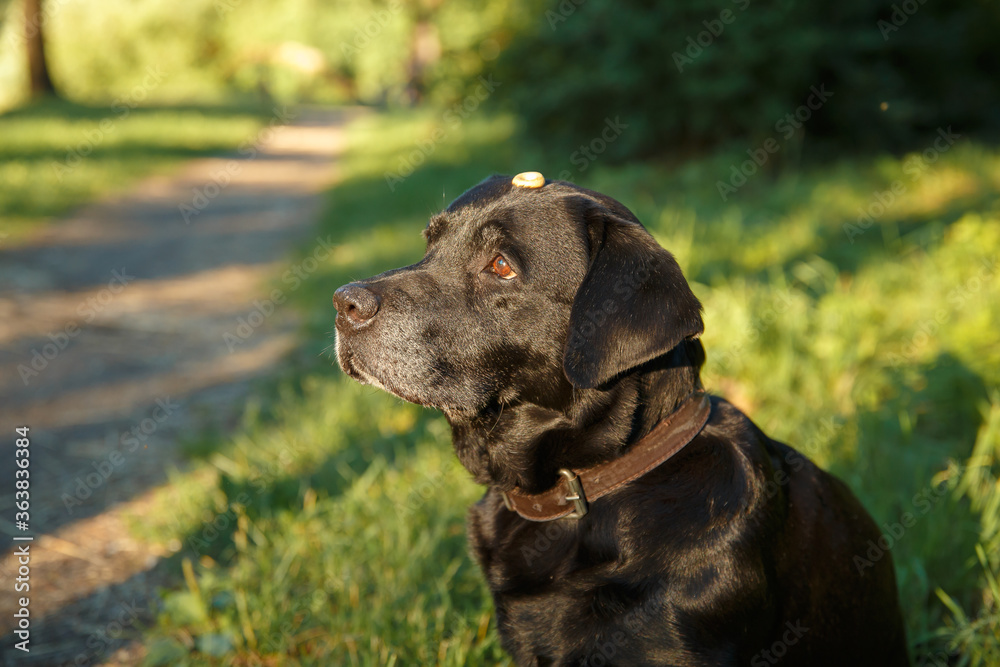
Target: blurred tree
<point>425,48</point>
<point>39,82</point>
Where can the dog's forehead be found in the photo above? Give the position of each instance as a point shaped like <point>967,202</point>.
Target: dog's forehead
<point>487,192</point>
<point>526,222</point>
<point>527,212</point>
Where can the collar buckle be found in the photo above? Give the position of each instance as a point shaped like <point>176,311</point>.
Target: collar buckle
<point>576,494</point>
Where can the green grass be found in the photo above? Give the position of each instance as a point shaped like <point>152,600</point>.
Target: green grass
<point>329,530</point>
<point>55,155</point>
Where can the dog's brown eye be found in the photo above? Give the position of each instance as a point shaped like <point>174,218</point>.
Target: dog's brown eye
<point>501,267</point>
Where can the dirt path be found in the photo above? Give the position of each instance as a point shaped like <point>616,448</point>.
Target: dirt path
<point>114,346</point>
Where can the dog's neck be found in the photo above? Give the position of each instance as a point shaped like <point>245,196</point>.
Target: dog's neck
<point>524,444</point>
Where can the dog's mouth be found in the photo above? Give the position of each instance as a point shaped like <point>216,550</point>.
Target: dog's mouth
<point>354,369</point>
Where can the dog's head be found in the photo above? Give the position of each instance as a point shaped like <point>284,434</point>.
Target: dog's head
<point>523,294</point>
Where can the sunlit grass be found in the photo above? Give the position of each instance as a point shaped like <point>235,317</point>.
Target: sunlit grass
<point>56,155</point>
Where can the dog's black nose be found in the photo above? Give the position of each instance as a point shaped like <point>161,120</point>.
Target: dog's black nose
<point>357,304</point>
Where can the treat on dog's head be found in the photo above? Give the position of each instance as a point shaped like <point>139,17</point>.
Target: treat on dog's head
<point>529,179</point>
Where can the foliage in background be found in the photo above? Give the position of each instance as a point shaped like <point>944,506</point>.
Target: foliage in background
<point>685,76</point>
<point>392,52</point>
<point>330,530</point>
<point>692,74</point>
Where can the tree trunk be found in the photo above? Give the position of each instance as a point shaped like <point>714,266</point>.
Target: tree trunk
<point>39,81</point>
<point>425,49</point>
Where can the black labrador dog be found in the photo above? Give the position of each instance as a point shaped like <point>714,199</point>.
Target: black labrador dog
<point>559,339</point>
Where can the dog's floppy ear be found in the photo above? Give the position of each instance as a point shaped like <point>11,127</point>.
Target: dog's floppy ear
<point>633,305</point>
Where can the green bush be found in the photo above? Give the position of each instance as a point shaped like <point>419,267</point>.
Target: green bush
<point>687,75</point>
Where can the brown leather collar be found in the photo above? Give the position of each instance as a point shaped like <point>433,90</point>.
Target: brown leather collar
<point>572,493</point>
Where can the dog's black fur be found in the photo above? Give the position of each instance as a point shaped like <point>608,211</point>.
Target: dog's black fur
<point>737,551</point>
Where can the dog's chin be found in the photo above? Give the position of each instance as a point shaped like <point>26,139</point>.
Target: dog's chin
<point>351,366</point>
